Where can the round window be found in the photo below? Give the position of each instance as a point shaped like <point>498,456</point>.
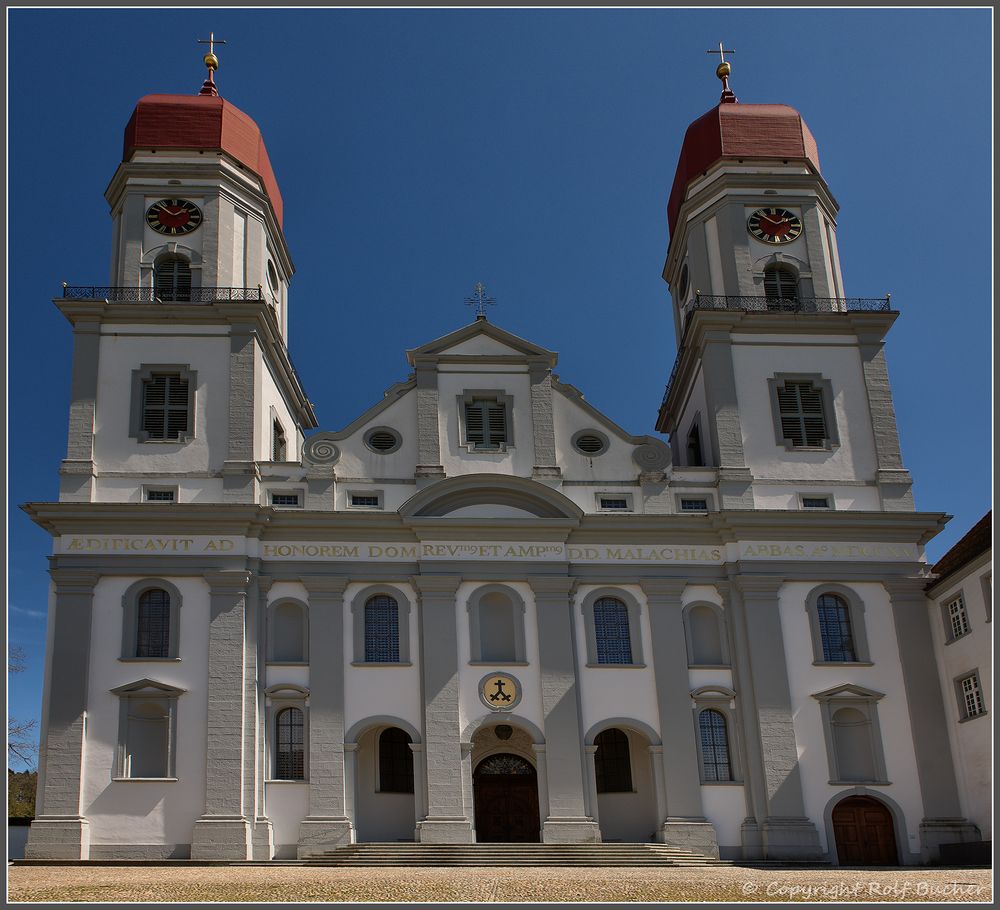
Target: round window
<point>590,443</point>
<point>272,276</point>
<point>682,284</point>
<point>383,440</point>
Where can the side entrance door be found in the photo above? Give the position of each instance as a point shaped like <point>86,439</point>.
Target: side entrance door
<point>505,790</point>
<point>864,833</point>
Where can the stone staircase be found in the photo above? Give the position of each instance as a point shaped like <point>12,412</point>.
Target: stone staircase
<point>414,854</point>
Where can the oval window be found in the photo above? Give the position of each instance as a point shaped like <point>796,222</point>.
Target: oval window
<point>682,284</point>
<point>272,276</point>
<point>383,440</point>
<point>590,442</point>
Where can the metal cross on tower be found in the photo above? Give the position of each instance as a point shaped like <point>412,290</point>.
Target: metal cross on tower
<point>479,300</point>
<point>723,70</point>
<point>212,62</point>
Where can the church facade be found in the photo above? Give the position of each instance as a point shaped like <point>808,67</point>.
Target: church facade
<point>483,610</point>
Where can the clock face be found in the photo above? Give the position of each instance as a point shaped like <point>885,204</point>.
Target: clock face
<point>774,225</point>
<point>173,216</point>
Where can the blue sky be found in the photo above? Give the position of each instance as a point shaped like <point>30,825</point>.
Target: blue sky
<point>420,151</point>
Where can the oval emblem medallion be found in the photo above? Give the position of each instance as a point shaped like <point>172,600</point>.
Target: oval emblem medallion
<point>499,692</point>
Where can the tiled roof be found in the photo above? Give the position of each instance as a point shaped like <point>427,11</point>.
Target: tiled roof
<point>976,541</point>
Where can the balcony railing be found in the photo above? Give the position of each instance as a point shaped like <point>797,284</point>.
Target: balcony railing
<point>782,305</point>
<point>160,295</point>
<point>794,304</point>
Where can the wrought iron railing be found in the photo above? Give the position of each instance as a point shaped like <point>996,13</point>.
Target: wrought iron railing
<point>781,305</point>
<point>160,295</point>
<point>794,304</point>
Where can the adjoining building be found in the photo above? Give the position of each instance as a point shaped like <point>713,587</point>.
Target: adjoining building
<point>961,615</point>
<point>483,610</point>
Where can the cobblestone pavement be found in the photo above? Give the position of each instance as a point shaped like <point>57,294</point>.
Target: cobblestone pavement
<point>491,884</point>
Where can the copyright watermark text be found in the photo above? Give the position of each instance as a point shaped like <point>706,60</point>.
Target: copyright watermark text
<point>864,890</point>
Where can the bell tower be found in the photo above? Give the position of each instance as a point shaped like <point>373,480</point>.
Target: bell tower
<point>182,359</point>
<point>780,382</point>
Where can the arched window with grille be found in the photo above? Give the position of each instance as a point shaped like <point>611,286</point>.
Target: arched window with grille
<point>834,618</point>
<point>395,761</point>
<point>289,745</point>
<point>611,630</point>
<point>714,736</point>
<point>172,279</point>
<point>381,629</point>
<point>781,287</point>
<point>612,762</point>
<point>153,624</point>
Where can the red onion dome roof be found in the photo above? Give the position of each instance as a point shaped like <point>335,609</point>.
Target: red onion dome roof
<point>740,131</point>
<point>201,122</point>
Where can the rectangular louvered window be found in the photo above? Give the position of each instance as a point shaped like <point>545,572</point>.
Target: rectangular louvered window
<point>485,424</point>
<point>803,417</point>
<point>279,445</point>
<point>166,407</point>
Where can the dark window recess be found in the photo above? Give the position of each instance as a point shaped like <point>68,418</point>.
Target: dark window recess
<point>159,495</point>
<point>694,505</point>
<point>367,501</point>
<point>590,445</point>
<point>382,630</point>
<point>714,745</point>
<point>612,503</point>
<point>611,762</point>
<point>834,617</point>
<point>815,502</point>
<point>382,441</point>
<point>395,761</point>
<point>485,424</point>
<point>153,624</point>
<point>165,406</point>
<point>694,455</point>
<point>172,280</point>
<point>290,754</point>
<point>284,499</point>
<point>279,446</point>
<point>611,631</point>
<point>780,283</point>
<point>803,419</point>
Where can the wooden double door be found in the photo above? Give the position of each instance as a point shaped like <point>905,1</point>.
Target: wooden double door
<point>505,790</point>
<point>864,833</point>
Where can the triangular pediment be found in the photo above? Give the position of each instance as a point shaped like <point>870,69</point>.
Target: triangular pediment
<point>481,339</point>
<point>848,691</point>
<point>147,687</point>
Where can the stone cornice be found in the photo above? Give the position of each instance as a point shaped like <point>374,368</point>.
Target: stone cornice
<point>552,587</point>
<point>228,582</point>
<point>663,590</point>
<point>758,587</point>
<point>325,586</point>
<point>436,586</point>
<point>74,581</point>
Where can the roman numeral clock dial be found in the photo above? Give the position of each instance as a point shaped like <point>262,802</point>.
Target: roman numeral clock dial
<point>774,225</point>
<point>173,216</point>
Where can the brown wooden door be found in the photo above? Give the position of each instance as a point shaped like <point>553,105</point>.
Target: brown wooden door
<point>864,833</point>
<point>506,799</point>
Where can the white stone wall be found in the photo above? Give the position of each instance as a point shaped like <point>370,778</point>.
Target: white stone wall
<point>883,676</point>
<point>145,812</point>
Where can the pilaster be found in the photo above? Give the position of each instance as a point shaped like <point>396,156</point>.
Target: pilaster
<point>77,469</point>
<point>543,433</point>
<point>328,823</point>
<point>239,471</point>
<point>568,820</point>
<point>943,822</point>
<point>765,705</point>
<point>683,823</point>
<point>223,831</point>
<point>725,429</point>
<point>448,820</point>
<point>428,435</point>
<point>60,831</point>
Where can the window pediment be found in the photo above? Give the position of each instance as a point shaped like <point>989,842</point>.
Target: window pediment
<point>848,692</point>
<point>148,688</point>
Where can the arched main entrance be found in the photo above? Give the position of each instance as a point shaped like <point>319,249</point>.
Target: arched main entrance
<point>864,832</point>
<point>505,789</point>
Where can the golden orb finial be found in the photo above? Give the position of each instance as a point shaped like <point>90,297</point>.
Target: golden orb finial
<point>723,71</point>
<point>211,61</point>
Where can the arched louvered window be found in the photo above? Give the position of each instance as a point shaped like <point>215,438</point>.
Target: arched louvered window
<point>289,752</point>
<point>395,761</point>
<point>611,630</point>
<point>781,287</point>
<point>172,279</point>
<point>803,416</point>
<point>714,745</point>
<point>612,763</point>
<point>834,618</point>
<point>153,624</point>
<point>382,629</point>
